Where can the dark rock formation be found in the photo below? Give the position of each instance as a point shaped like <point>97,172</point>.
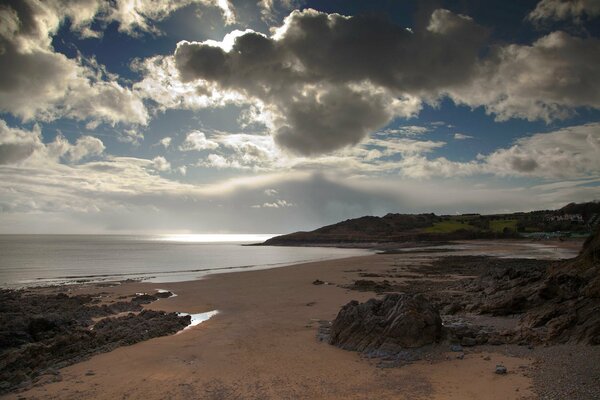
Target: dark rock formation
<point>41,333</point>
<point>366,285</point>
<point>164,295</point>
<point>568,300</point>
<point>386,326</point>
<point>558,303</point>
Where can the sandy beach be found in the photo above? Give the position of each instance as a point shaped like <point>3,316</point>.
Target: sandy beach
<point>263,344</point>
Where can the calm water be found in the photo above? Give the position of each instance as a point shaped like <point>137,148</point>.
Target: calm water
<point>31,260</point>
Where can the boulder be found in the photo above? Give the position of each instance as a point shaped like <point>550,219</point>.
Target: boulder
<point>386,326</point>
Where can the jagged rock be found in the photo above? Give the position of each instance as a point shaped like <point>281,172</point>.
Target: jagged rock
<point>318,282</point>
<point>40,334</point>
<point>386,326</point>
<point>570,300</point>
<point>365,285</point>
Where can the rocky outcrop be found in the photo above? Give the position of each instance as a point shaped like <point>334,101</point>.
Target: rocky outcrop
<point>568,300</point>
<point>41,333</point>
<point>557,303</point>
<point>386,326</point>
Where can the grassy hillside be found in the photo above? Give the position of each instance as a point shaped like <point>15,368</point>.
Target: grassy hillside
<point>573,219</point>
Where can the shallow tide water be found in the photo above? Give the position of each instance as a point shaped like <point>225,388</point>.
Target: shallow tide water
<point>36,260</point>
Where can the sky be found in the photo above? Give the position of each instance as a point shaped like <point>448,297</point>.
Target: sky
<point>272,116</point>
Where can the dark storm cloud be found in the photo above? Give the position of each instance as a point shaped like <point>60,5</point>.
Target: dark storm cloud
<point>331,79</point>
<point>328,80</point>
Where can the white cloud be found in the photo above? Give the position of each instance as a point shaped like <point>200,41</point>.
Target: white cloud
<point>555,10</point>
<point>161,164</point>
<point>547,80</point>
<point>18,146</point>
<point>462,136</point>
<point>572,152</point>
<point>408,130</point>
<point>165,142</point>
<point>197,141</point>
<point>40,83</point>
<point>275,204</point>
<point>162,85</point>
<point>85,146</point>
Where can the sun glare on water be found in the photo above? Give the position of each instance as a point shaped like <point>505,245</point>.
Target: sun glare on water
<point>215,238</point>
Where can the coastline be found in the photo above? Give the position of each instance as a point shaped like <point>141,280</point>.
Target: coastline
<point>263,344</point>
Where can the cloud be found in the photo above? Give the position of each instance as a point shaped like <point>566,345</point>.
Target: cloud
<point>547,80</point>
<point>85,146</point>
<point>197,141</point>
<point>16,144</point>
<point>322,89</point>
<point>568,153</point>
<point>317,89</point>
<point>86,198</point>
<point>462,136</point>
<point>75,185</point>
<point>40,83</point>
<point>20,146</point>
<point>162,85</point>
<point>572,152</point>
<point>161,164</point>
<point>270,9</point>
<point>556,10</point>
<point>407,130</point>
<point>133,136</point>
<point>275,204</point>
<point>134,16</point>
<point>165,142</point>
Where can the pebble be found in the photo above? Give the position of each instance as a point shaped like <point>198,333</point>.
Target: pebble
<point>501,369</point>
<point>456,348</point>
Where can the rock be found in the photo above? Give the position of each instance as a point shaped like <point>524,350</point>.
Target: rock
<point>501,369</point>
<point>388,325</point>
<point>456,348</point>
<point>487,358</point>
<point>144,299</point>
<point>452,308</point>
<point>460,356</point>
<point>468,342</point>
<point>318,282</point>
<point>164,295</point>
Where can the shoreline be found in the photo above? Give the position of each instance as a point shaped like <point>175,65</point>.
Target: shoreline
<point>263,344</point>
<point>367,249</point>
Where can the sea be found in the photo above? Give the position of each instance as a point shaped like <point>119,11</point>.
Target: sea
<point>43,260</point>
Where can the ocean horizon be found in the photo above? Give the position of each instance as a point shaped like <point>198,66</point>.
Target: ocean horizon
<point>28,260</point>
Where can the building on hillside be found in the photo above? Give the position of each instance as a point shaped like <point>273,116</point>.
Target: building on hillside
<point>565,217</point>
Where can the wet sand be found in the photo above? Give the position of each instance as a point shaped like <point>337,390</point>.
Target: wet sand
<point>262,344</point>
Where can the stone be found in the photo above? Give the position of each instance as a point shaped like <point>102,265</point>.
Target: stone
<point>456,348</point>
<point>501,369</point>
<point>468,342</point>
<point>318,282</point>
<point>387,325</point>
